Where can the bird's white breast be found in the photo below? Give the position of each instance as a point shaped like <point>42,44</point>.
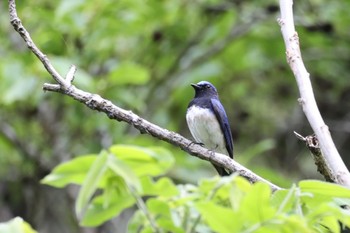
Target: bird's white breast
<point>205,129</point>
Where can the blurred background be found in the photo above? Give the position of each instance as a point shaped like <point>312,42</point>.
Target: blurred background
<point>143,56</point>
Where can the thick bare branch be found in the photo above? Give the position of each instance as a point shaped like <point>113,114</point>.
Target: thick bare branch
<point>314,147</point>
<point>307,98</point>
<point>96,102</point>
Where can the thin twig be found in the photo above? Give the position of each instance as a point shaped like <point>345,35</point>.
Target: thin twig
<point>307,98</point>
<point>96,102</point>
<point>142,206</point>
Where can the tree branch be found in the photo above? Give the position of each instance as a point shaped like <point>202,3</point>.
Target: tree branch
<point>307,100</point>
<point>314,147</point>
<point>96,102</point>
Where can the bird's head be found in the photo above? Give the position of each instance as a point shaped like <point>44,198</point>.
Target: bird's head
<point>204,89</point>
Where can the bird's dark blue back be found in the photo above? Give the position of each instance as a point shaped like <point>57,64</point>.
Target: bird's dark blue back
<point>213,103</point>
<point>224,124</point>
<point>208,123</point>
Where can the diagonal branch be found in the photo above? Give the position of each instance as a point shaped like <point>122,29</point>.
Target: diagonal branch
<point>16,23</point>
<point>307,98</point>
<point>96,102</point>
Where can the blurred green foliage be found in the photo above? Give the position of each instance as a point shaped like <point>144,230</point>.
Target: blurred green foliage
<point>142,55</point>
<point>124,175</point>
<point>16,225</point>
<point>120,170</point>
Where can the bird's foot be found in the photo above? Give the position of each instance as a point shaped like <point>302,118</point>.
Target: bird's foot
<point>197,143</point>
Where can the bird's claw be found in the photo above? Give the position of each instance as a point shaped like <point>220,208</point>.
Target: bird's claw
<point>197,143</point>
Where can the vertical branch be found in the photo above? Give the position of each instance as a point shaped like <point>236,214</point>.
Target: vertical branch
<point>307,99</point>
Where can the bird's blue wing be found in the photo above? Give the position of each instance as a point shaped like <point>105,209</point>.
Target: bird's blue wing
<point>224,124</point>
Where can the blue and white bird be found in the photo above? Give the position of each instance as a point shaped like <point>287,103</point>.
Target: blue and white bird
<point>207,121</point>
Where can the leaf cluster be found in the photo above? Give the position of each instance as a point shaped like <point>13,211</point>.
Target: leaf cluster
<point>125,175</point>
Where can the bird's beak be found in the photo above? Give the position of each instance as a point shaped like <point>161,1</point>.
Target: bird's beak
<point>195,86</point>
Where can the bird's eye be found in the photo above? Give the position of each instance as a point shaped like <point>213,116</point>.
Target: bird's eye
<point>207,86</point>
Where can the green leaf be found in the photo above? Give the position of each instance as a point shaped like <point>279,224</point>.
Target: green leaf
<point>98,213</point>
<point>159,208</point>
<point>153,161</point>
<point>217,187</point>
<point>324,188</point>
<point>291,224</point>
<point>162,210</point>
<point>188,194</point>
<point>325,216</point>
<point>169,226</point>
<point>284,200</point>
<point>163,187</point>
<point>129,73</point>
<point>219,218</point>
<point>238,191</point>
<point>71,172</point>
<point>328,215</point>
<point>257,201</point>
<point>91,181</point>
<point>243,184</point>
<point>207,185</point>
<point>123,170</point>
<point>16,225</point>
<point>331,223</point>
<point>345,217</point>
